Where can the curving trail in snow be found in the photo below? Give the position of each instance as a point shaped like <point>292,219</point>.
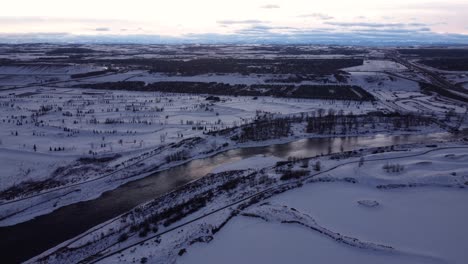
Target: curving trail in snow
<point>286,215</point>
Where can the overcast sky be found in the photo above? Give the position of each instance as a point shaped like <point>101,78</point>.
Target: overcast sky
<point>250,18</point>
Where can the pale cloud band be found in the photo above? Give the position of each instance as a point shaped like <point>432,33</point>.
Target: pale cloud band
<point>293,20</point>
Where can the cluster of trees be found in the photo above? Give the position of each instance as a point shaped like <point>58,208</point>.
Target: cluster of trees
<point>177,156</point>
<point>55,149</point>
<point>133,85</point>
<point>29,187</point>
<point>444,59</point>
<point>167,216</point>
<point>71,50</point>
<point>203,88</point>
<point>264,129</point>
<point>89,74</point>
<point>340,76</point>
<point>38,134</point>
<point>111,132</point>
<point>429,52</point>
<point>408,120</point>
<point>395,168</point>
<point>245,66</point>
<point>327,92</point>
<point>113,121</point>
<point>430,88</point>
<point>19,121</point>
<point>326,124</point>
<point>293,174</point>
<point>333,123</point>
<point>452,64</point>
<point>329,51</point>
<point>337,92</point>
<point>307,50</point>
<point>4,62</point>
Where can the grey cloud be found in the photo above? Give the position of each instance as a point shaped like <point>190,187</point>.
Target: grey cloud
<point>254,30</point>
<point>417,24</point>
<point>102,29</point>
<point>234,22</point>
<point>393,31</point>
<point>263,29</point>
<point>374,25</point>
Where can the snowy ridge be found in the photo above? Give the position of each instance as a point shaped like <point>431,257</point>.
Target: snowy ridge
<point>284,214</point>
<point>274,212</point>
<point>287,215</point>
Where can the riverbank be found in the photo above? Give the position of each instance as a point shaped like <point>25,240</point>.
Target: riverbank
<point>175,237</point>
<point>153,161</point>
<point>71,220</point>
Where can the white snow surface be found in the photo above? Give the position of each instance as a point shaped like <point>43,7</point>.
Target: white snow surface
<point>427,223</point>
<point>322,220</point>
<point>378,65</point>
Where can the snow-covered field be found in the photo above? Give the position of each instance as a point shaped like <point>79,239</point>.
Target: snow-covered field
<point>353,211</point>
<point>376,81</point>
<point>90,122</point>
<point>377,65</point>
<point>425,225</point>
<point>60,145</point>
<point>46,129</point>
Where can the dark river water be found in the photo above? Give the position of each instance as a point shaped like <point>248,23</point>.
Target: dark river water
<point>25,240</point>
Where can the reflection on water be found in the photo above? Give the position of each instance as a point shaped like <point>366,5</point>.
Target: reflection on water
<point>28,239</point>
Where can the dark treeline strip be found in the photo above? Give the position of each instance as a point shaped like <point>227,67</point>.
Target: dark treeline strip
<point>262,130</point>
<point>253,66</point>
<point>339,123</point>
<point>435,89</point>
<point>298,50</point>
<point>242,66</point>
<point>330,51</point>
<point>324,123</point>
<point>452,64</point>
<point>327,92</point>
<point>61,51</point>
<point>89,74</point>
<point>455,53</point>
<point>4,62</point>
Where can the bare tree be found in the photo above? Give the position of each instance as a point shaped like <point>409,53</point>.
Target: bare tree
<point>317,166</point>
<point>162,137</point>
